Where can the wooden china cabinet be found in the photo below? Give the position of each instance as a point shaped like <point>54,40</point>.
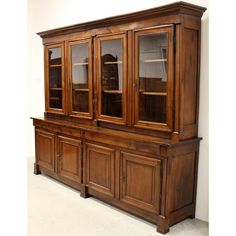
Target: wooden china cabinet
<point>121,111</point>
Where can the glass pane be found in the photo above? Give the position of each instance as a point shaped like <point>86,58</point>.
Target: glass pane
<point>54,56</point>
<point>80,95</point>
<point>55,78</point>
<point>111,69</point>
<point>153,77</point>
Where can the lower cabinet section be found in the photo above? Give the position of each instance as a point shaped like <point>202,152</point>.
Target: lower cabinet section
<point>99,169</point>
<point>141,181</point>
<point>160,188</point>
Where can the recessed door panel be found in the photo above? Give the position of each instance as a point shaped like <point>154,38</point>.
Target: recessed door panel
<point>69,158</point>
<point>99,169</point>
<point>45,149</point>
<point>140,181</point>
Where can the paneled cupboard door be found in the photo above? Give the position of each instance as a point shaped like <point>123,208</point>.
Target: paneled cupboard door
<point>140,181</point>
<point>54,78</point>
<point>69,158</point>
<point>154,78</point>
<point>45,149</point>
<point>80,78</point>
<point>111,78</point>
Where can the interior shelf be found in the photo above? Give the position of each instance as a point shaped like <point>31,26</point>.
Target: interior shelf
<point>55,88</point>
<point>81,89</point>
<point>54,98</point>
<point>112,62</point>
<point>80,64</point>
<point>113,91</point>
<point>56,65</point>
<point>153,93</point>
<point>154,60</point>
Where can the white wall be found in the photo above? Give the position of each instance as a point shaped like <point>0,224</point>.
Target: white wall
<point>49,14</point>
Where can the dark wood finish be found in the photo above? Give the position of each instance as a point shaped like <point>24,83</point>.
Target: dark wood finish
<point>145,166</point>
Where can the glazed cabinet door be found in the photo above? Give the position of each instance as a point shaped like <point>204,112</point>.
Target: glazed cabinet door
<point>69,158</point>
<point>45,149</point>
<point>153,95</point>
<point>140,181</point>
<point>99,169</point>
<point>54,78</point>
<point>80,78</point>
<point>111,75</point>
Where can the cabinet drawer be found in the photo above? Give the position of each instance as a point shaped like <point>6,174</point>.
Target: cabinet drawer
<point>140,183</point>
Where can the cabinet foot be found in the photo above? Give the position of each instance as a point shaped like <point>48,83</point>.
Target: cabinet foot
<point>163,225</point>
<point>36,169</point>
<point>84,192</point>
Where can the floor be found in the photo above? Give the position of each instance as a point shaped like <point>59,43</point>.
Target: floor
<point>55,209</point>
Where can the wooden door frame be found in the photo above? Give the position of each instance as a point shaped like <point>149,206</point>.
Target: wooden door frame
<point>169,29</point>
<point>46,78</point>
<point>86,115</point>
<point>97,68</point>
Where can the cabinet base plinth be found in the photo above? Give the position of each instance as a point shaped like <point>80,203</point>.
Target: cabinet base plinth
<point>36,169</point>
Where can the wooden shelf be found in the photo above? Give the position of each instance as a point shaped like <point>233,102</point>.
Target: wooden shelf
<point>113,91</point>
<point>153,93</point>
<point>56,89</point>
<point>80,64</point>
<point>55,98</point>
<point>58,65</point>
<point>154,60</point>
<point>81,90</point>
<point>112,62</point>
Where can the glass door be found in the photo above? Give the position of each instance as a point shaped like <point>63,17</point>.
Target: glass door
<point>154,78</point>
<point>54,78</point>
<point>111,75</point>
<point>80,78</point>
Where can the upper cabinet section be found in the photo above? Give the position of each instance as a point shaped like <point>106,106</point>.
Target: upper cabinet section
<point>111,78</point>
<point>154,78</point>
<point>80,78</point>
<point>54,78</point>
<point>137,72</point>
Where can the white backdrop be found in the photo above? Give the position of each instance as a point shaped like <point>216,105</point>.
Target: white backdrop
<point>49,14</point>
